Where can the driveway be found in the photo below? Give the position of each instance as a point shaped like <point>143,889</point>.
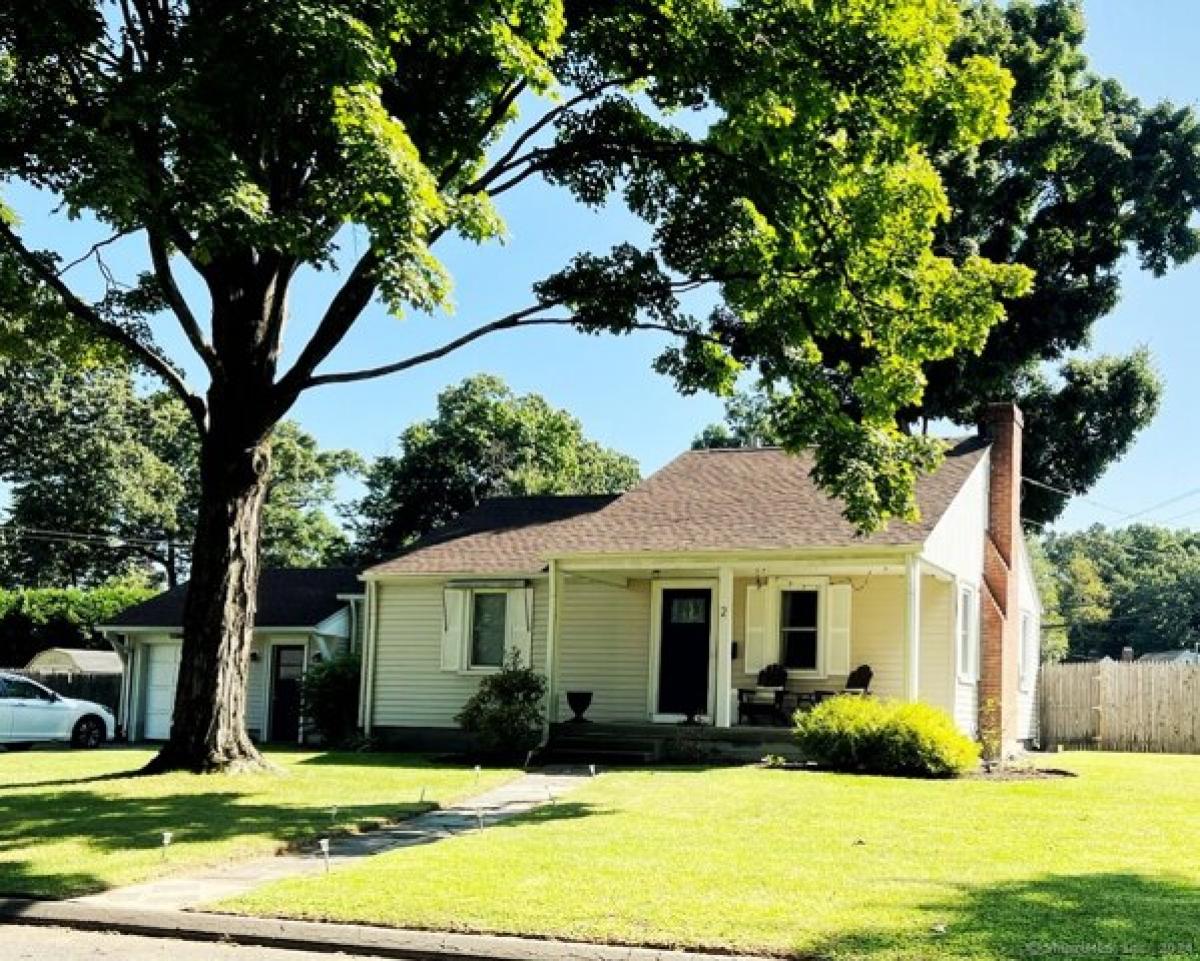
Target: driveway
<point>21,943</point>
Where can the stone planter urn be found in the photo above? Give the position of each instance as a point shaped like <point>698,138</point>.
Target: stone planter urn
<point>579,702</point>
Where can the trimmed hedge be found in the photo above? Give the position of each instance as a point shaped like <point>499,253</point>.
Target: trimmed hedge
<point>872,736</point>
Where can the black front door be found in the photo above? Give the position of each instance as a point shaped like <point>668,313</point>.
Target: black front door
<point>683,661</point>
<point>287,671</point>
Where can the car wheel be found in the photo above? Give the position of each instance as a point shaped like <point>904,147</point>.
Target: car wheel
<point>88,732</point>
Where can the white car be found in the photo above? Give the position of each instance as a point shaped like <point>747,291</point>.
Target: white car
<point>30,713</point>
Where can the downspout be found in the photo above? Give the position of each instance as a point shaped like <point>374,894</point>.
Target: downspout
<point>370,642</point>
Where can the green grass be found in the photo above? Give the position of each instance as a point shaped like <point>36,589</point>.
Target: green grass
<point>74,822</point>
<point>817,865</point>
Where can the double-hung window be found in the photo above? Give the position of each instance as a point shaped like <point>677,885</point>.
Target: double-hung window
<point>966,635</point>
<point>1028,655</point>
<point>489,617</point>
<point>798,629</point>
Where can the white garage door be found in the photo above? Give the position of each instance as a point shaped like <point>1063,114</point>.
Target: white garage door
<point>162,671</point>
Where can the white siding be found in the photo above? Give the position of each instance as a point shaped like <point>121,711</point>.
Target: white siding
<point>256,694</point>
<point>877,632</point>
<point>604,647</point>
<point>1029,602</point>
<point>410,688</point>
<point>936,678</point>
<point>956,542</point>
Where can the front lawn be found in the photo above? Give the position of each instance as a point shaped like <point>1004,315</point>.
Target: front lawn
<point>73,822</point>
<point>818,865</point>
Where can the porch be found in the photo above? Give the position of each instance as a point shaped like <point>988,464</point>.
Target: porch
<point>650,645</point>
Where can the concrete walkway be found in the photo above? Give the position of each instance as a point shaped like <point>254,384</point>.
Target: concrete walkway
<point>191,889</point>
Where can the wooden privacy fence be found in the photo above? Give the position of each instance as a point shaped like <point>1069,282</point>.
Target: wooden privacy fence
<point>1121,706</point>
<point>101,688</point>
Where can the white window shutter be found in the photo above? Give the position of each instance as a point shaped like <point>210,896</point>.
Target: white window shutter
<point>837,655</point>
<point>454,628</point>
<point>520,623</point>
<point>755,639</point>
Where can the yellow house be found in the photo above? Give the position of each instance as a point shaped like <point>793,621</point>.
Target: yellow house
<point>663,605</point>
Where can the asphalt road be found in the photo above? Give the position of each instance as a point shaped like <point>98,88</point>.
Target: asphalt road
<point>20,943</point>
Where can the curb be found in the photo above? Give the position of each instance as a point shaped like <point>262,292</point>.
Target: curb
<point>316,936</point>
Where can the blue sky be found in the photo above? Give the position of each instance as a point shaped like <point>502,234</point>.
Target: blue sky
<point>608,382</point>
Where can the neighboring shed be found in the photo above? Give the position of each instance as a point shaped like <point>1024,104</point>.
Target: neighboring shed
<point>69,660</point>
<point>1182,656</point>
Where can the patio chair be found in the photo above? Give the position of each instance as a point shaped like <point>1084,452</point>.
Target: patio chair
<point>858,683</point>
<point>753,709</point>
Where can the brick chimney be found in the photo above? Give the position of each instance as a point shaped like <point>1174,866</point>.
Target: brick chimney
<point>1000,618</point>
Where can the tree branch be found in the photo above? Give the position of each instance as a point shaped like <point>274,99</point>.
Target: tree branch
<point>520,318</point>
<point>350,301</point>
<point>495,115</point>
<point>91,252</point>
<point>106,328</point>
<point>179,305</point>
<point>504,162</point>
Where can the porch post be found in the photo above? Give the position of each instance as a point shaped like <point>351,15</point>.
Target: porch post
<point>724,673</point>
<point>912,628</point>
<point>552,646</point>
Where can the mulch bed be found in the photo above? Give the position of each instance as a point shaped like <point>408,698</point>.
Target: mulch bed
<point>1022,773</point>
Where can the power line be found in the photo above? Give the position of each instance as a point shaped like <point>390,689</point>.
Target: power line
<point>1169,501</point>
<point>1067,493</point>
<point>1175,517</point>
<point>84,537</point>
<point>1123,514</point>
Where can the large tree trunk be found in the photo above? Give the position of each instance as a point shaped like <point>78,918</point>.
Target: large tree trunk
<point>209,729</point>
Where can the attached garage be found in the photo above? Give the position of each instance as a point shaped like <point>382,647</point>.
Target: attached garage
<point>304,616</point>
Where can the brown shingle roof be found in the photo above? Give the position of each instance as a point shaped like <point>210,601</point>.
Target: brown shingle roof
<point>706,500</point>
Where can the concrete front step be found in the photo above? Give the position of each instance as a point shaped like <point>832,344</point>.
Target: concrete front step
<point>647,743</point>
<point>600,756</point>
<point>607,743</point>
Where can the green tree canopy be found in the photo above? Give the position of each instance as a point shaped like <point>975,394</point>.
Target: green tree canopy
<point>1087,176</point>
<point>32,619</point>
<point>105,479</point>
<point>484,441</point>
<point>1137,586</point>
<point>780,154</point>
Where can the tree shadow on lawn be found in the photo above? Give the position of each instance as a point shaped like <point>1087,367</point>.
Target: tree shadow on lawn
<point>1111,915</point>
<point>21,880</point>
<point>548,814</point>
<point>106,823</point>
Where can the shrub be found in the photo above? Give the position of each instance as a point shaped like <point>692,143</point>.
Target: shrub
<point>869,735</point>
<point>329,698</point>
<point>505,714</point>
